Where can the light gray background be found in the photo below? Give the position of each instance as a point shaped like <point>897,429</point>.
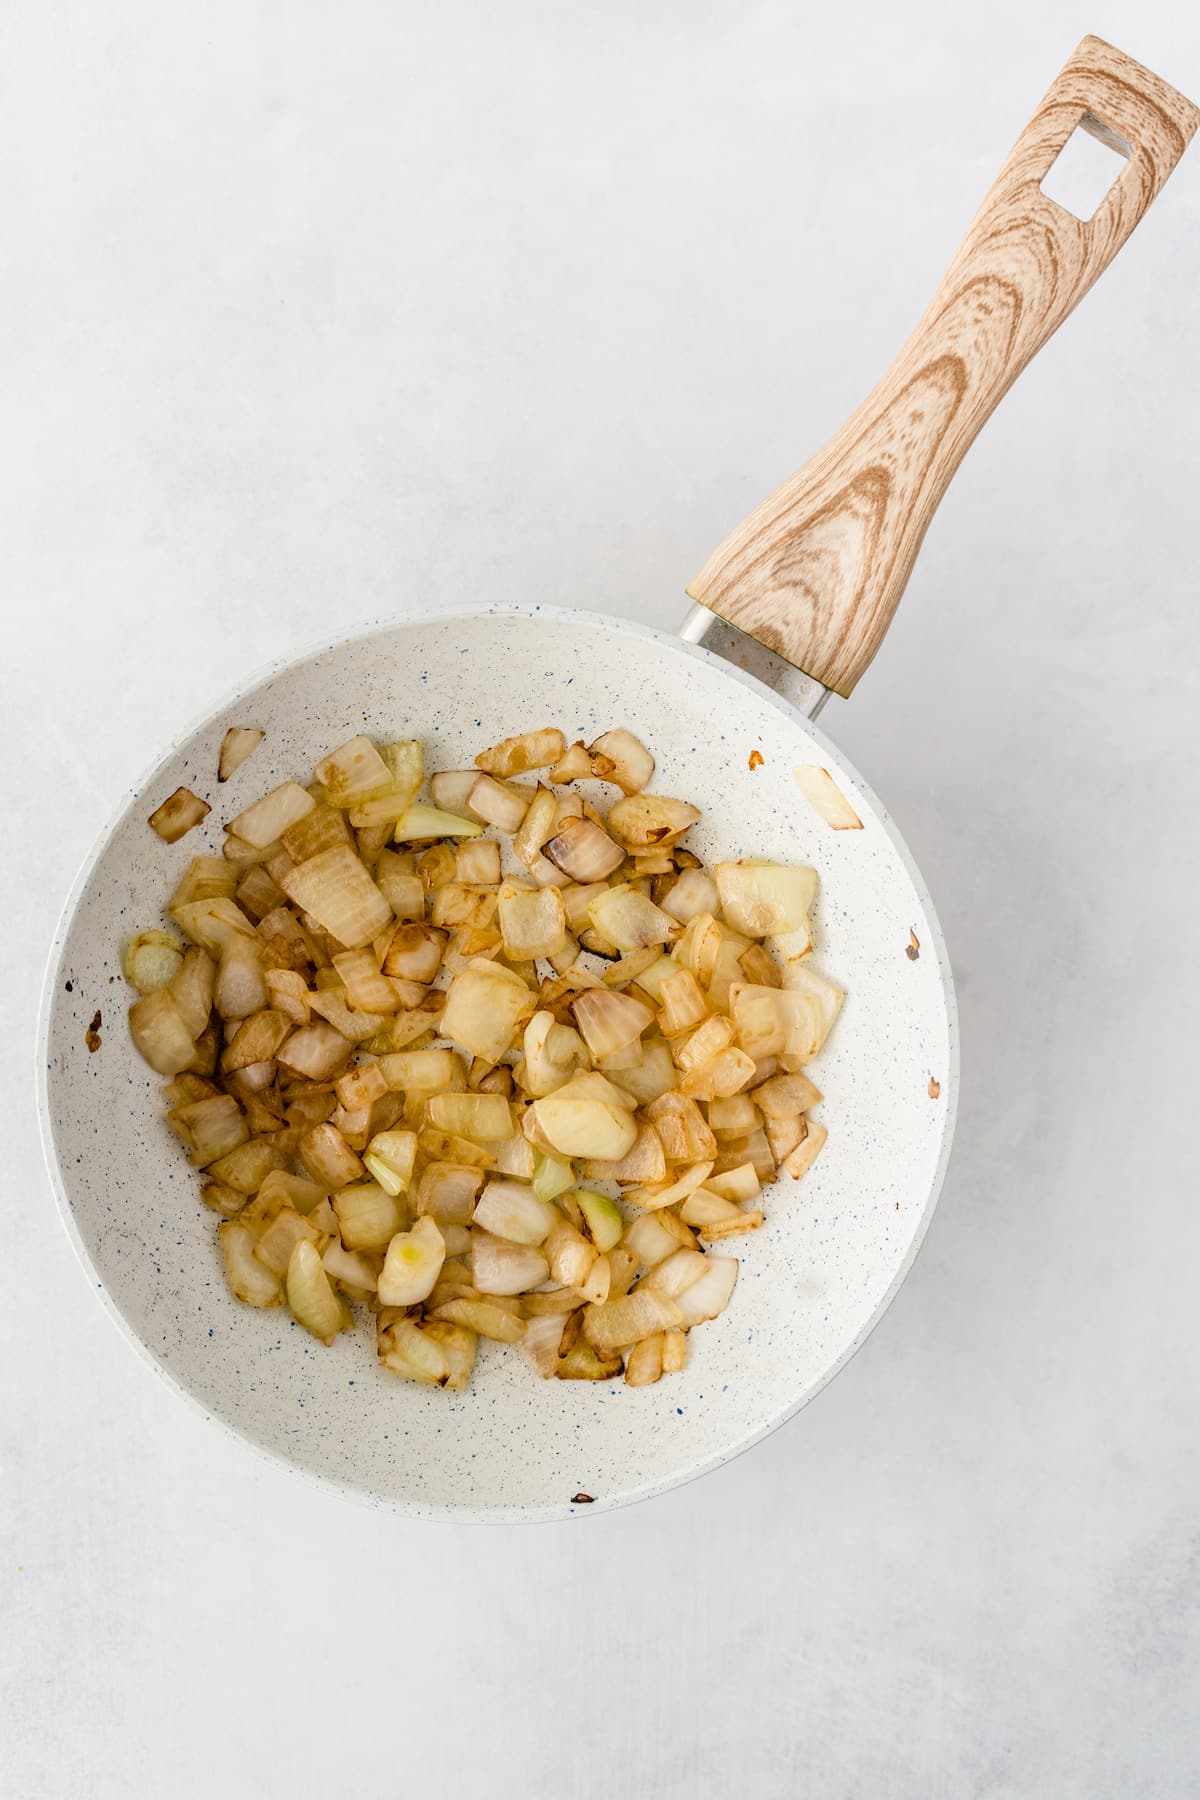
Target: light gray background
<point>305,306</point>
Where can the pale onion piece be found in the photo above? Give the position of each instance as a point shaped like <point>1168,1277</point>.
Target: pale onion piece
<point>496,804</point>
<point>654,1076</point>
<point>210,923</point>
<point>574,764</point>
<point>458,1238</point>
<point>674,1352</point>
<point>517,755</point>
<point>177,815</point>
<point>352,772</point>
<point>483,1118</point>
<point>485,1317</point>
<point>581,1363</point>
<point>152,961</point>
<point>762,1023</point>
<point>699,947</point>
<point>368,1216</point>
<point>569,1254</point>
<point>802,978</point>
<point>315,1051</point>
<point>421,822</point>
<point>517,1157</point>
<point>654,1236</point>
<point>458,1347</point>
<point>553,1052</point>
<point>783,1096</point>
<point>577,1126</point>
<point>733,1117</point>
<point>445,1147</point>
<point>610,1022</point>
<point>741,1183</point>
<point>708,1040</point>
<point>424,1071</point>
<point>350,1269</point>
<point>407,1349</point>
<point>708,1297</point>
<point>485,1005</point>
<point>603,1218</point>
<point>532,921</point>
<point>256,1040</point>
<point>391,1157</point>
<point>247,1277</point>
<point>239,742</point>
<point>644,1364</point>
<point>415,951</point>
<point>330,1004</point>
<point>160,1034</point>
<point>619,1060</point>
<point>324,828</point>
<point>818,786</point>
<point>681,1126</point>
<point>677,1272</point>
<point>328,1157</point>
<point>683,1003</point>
<point>618,756</point>
<point>211,1127</point>
<point>629,920</point>
<point>790,947</point>
<point>510,1209</point>
<point>536,828</point>
<point>726,969</point>
<point>406,771</point>
<point>764,899</point>
<point>629,967</point>
<point>222,1199</point>
<point>499,1266</point>
<point>540,1340</point>
<point>651,821</point>
<point>478,862</point>
<point>597,1283</point>
<point>266,821</point>
<point>310,1294</point>
<point>695,892</point>
<point>293,1190</point>
<point>651,1199</point>
<point>784,1134</point>
<point>551,1300</point>
<point>619,1323</point>
<point>405,894</point>
<point>703,1208</point>
<point>191,988</point>
<point>283,1232</point>
<point>450,788</point>
<point>551,1176</point>
<point>589,1084</point>
<point>258,893</point>
<point>207,878</point>
<point>576,900</point>
<point>412,1264</point>
<point>241,985</point>
<point>802,1158</point>
<point>753,1149</point>
<point>643,1162</point>
<point>448,1191</point>
<point>336,890</point>
<point>584,851</point>
<point>367,990</point>
<point>544,874</point>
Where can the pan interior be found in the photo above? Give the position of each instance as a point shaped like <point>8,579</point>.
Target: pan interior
<point>812,1281</point>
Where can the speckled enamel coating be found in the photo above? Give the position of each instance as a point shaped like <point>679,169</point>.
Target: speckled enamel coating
<point>813,1282</point>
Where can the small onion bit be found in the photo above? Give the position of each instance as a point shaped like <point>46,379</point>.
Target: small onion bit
<point>403,1083</point>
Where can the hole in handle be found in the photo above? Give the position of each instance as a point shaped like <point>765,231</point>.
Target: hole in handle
<point>1083,173</point>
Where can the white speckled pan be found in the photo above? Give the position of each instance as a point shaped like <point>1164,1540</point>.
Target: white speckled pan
<point>813,1281</point>
<point>815,575</point>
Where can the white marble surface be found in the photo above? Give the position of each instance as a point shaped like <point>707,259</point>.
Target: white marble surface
<point>303,306</point>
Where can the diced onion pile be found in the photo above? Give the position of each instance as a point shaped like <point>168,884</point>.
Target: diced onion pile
<point>513,1087</point>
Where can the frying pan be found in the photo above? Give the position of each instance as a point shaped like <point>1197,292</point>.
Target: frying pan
<point>792,606</point>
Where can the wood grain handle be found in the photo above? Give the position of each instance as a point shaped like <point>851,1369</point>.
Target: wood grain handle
<point>817,571</point>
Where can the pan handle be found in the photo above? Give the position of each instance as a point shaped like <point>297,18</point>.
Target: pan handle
<point>816,572</point>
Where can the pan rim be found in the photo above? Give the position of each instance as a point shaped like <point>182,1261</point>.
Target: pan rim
<point>414,614</point>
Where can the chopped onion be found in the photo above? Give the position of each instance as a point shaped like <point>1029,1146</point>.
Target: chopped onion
<point>177,814</point>
<point>486,1317</point>
<point>603,1218</point>
<point>448,1192</point>
<point>629,920</point>
<point>210,923</point>
<point>485,1006</point>
<point>610,1022</point>
<point>266,821</point>
<point>693,893</point>
<point>620,1323</point>
<point>532,921</point>
<point>239,742</point>
<point>336,889</point>
<point>651,821</point>
<point>152,961</point>
<point>763,899</point>
<point>310,1294</point>
<point>353,772</point>
<point>249,1280</point>
<point>502,1267</point>
<point>484,1118</point>
<point>429,822</point>
<point>584,851</point>
<point>510,1209</point>
<point>618,756</point>
<point>540,1340</point>
<point>578,1124</point>
<point>160,1034</point>
<point>655,1236</point>
<point>708,1297</point>
<point>413,1262</point>
<point>819,787</point>
<point>517,755</point>
<point>573,765</point>
<point>328,1157</point>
